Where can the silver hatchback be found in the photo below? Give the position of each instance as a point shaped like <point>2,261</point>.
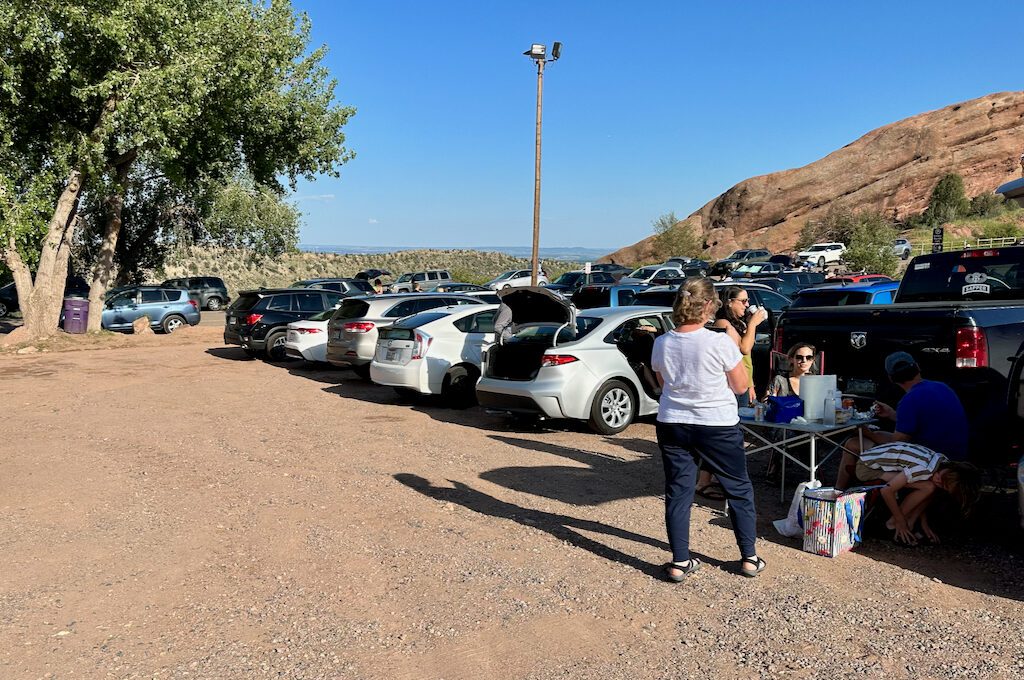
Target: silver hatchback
<point>593,367</point>
<point>353,330</point>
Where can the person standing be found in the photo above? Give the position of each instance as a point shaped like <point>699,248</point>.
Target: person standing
<point>700,372</point>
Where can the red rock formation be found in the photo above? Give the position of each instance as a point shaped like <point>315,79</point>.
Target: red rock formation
<point>893,168</point>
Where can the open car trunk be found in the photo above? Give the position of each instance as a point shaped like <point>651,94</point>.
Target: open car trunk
<point>541,319</point>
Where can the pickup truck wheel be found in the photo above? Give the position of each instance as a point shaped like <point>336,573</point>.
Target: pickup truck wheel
<point>821,261</point>
<point>275,346</point>
<point>213,304</point>
<point>613,409</point>
<point>459,387</point>
<point>172,323</point>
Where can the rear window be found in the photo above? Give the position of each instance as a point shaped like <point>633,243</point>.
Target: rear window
<point>968,275</point>
<point>656,298</point>
<point>590,297</point>
<point>245,302</point>
<point>352,309</point>
<point>544,332</point>
<point>830,298</point>
<point>362,285</point>
<point>417,320</point>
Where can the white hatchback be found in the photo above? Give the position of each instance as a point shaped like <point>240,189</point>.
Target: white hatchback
<point>307,339</point>
<point>435,352</point>
<point>821,254</point>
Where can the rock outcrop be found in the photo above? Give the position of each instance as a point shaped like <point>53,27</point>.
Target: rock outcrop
<point>892,169</point>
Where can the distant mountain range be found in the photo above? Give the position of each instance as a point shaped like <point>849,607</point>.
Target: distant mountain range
<point>569,254</point>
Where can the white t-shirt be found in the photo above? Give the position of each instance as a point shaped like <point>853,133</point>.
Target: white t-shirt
<point>693,366</point>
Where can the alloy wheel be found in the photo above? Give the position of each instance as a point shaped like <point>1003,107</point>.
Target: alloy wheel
<point>616,407</point>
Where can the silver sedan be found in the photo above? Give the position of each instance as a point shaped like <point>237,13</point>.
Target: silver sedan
<point>593,367</point>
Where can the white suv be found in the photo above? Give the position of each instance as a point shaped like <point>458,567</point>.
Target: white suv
<point>435,352</point>
<point>823,253</point>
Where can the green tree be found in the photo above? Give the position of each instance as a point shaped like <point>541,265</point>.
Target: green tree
<point>836,226</point>
<point>948,201</point>
<point>192,90</point>
<point>870,247</point>
<point>987,205</point>
<point>673,238</point>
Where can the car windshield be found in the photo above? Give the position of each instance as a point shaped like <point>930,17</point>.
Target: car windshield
<point>738,255</point>
<point>819,247</point>
<point>351,309</point>
<point>745,268</point>
<point>967,275</point>
<point>404,277</point>
<point>568,278</point>
<point>505,275</point>
<point>644,273</point>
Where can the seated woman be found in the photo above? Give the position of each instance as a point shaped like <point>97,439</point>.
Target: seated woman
<point>786,383</point>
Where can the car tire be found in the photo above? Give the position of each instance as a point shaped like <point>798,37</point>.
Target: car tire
<point>613,409</point>
<point>821,261</point>
<point>213,304</point>
<point>459,386</point>
<point>172,323</point>
<point>506,286</point>
<point>362,370</point>
<point>905,254</point>
<point>3,310</point>
<point>275,346</point>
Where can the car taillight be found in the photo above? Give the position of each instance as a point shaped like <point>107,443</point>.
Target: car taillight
<point>195,305</point>
<point>557,359</point>
<point>253,319</point>
<point>979,253</point>
<point>357,327</point>
<point>422,344</point>
<point>971,348</point>
<point>307,330</point>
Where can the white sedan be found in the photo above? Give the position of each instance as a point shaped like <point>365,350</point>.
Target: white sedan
<point>435,352</point>
<point>307,339</point>
<point>515,278</point>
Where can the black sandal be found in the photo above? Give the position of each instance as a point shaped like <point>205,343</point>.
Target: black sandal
<point>684,571</point>
<point>758,563</point>
<point>711,492</point>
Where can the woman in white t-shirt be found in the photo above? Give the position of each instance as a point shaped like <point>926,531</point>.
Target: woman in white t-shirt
<point>700,372</point>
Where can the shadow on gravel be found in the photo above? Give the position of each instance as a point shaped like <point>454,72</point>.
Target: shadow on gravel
<point>562,527</point>
<point>231,353</point>
<point>605,478</point>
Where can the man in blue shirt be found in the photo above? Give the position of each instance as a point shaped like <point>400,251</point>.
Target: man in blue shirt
<point>930,414</point>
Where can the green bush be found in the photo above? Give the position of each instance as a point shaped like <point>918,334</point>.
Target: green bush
<point>673,238</point>
<point>836,226</point>
<point>870,247</point>
<point>948,201</point>
<point>1000,230</point>
<point>987,205</point>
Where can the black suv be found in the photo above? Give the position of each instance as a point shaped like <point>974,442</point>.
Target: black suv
<point>344,286</point>
<point>258,320</point>
<point>209,292</point>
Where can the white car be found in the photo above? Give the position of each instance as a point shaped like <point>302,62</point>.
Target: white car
<point>821,254</point>
<point>515,278</point>
<point>435,352</point>
<point>307,339</point>
<point>645,274</point>
<point>901,248</point>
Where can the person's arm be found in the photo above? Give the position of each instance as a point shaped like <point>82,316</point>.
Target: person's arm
<point>750,335</point>
<point>661,381</point>
<point>889,492</point>
<point>883,437</point>
<point>739,382</point>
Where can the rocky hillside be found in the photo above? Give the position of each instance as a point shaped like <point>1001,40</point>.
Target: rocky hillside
<point>892,169</point>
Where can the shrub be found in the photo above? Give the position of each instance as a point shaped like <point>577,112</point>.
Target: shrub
<point>673,238</point>
<point>870,247</point>
<point>948,201</point>
<point>987,205</point>
<point>836,226</point>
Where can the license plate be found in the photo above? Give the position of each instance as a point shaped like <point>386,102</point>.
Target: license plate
<point>391,355</point>
<point>336,335</point>
<point>861,386</point>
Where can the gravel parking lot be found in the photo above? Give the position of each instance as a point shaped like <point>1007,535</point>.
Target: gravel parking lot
<point>172,509</point>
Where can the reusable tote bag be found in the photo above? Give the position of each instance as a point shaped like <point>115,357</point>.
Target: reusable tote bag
<point>831,520</point>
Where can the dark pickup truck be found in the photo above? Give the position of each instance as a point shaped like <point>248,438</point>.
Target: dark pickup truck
<point>959,313</point>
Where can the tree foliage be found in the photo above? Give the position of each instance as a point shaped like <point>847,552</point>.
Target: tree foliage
<point>673,238</point>
<point>948,201</point>
<point>191,90</point>
<point>870,246</point>
<point>837,226</point>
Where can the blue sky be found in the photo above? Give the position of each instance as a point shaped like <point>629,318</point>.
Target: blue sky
<point>654,106</point>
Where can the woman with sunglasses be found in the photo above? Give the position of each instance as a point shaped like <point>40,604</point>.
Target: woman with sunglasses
<point>801,361</point>
<point>700,372</point>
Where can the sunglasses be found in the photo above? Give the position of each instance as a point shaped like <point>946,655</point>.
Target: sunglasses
<point>802,357</point>
<point>745,301</point>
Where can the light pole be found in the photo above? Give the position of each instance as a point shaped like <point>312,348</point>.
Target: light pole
<point>537,53</point>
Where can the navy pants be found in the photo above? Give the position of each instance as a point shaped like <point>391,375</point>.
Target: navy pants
<point>721,448</point>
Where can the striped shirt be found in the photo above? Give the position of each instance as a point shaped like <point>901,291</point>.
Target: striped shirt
<point>917,462</point>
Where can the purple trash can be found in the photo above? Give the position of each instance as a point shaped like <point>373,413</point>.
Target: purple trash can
<point>76,315</point>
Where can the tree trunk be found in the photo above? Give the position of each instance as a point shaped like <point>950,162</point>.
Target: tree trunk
<point>103,270</point>
<point>41,301</point>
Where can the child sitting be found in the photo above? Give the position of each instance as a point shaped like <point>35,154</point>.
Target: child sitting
<point>922,471</point>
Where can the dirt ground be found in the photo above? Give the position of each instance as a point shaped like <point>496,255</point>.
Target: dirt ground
<point>171,509</point>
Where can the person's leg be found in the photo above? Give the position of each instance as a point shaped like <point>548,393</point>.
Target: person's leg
<point>847,463</point>
<point>722,452</point>
<point>677,456</point>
